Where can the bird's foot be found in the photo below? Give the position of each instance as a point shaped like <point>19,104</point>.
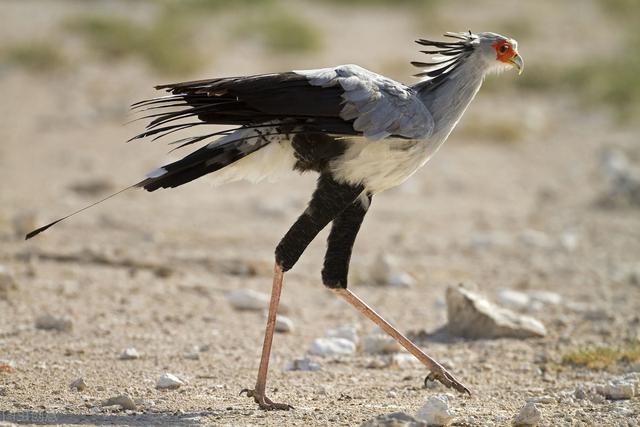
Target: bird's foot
<point>264,402</point>
<point>447,379</point>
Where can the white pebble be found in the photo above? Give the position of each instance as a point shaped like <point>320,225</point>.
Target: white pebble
<point>283,324</point>
<point>513,299</point>
<point>78,384</point>
<point>380,344</point>
<point>302,364</point>
<point>349,332</point>
<point>129,354</point>
<point>332,347</point>
<point>48,322</point>
<point>247,299</point>
<point>401,280</point>
<point>123,400</point>
<point>169,381</point>
<point>529,415</point>
<point>435,412</point>
<point>404,360</point>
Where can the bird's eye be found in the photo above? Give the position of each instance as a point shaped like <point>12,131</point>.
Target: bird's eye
<point>503,48</point>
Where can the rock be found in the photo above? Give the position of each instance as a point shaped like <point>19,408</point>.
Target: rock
<point>514,299</point>
<point>247,299</point>
<point>471,316</point>
<point>545,297</point>
<point>385,272</point>
<point>7,283</point>
<point>332,347</point>
<point>435,412</point>
<point>617,390</point>
<point>129,354</point>
<point>123,400</point>
<point>48,322</point>
<point>403,360</point>
<point>78,384</point>
<point>283,324</point>
<point>169,382</point>
<point>401,280</point>
<point>380,344</point>
<point>529,415</point>
<point>349,332</point>
<point>302,364</point>
<point>395,419</point>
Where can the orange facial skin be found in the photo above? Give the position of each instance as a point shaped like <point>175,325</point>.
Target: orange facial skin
<point>504,51</point>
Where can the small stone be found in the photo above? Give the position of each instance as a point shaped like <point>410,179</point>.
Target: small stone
<point>349,332</point>
<point>48,322</point>
<point>395,419</point>
<point>380,344</point>
<point>123,400</point>
<point>169,382</point>
<point>401,280</point>
<point>545,297</point>
<point>332,347</point>
<point>579,393</point>
<point>385,272</point>
<point>513,299</point>
<point>472,316</point>
<point>403,360</point>
<point>247,299</point>
<point>78,384</point>
<point>7,283</point>
<point>129,354</point>
<point>283,324</point>
<point>436,412</point>
<point>302,364</point>
<point>618,390</point>
<point>529,415</point>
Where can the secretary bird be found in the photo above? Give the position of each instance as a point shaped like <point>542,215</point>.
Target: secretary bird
<point>361,132</point>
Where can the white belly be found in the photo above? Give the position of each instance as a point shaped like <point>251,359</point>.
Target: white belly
<point>383,164</point>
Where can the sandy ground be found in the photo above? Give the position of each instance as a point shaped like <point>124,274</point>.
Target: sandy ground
<point>150,270</point>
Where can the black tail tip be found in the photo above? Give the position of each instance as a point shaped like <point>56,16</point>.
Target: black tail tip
<point>39,230</point>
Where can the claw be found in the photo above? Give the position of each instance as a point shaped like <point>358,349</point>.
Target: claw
<point>447,380</point>
<point>246,390</point>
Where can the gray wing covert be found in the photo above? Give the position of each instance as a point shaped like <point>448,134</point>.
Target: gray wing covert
<point>380,107</point>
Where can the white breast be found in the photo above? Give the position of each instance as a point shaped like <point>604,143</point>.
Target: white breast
<point>383,164</point>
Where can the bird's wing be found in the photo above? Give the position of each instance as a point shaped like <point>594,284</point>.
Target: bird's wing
<point>345,100</point>
<point>379,107</point>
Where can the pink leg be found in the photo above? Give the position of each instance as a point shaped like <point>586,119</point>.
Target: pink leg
<point>258,393</point>
<point>438,372</point>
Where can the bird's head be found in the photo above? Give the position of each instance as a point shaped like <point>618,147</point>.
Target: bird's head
<point>499,52</point>
<point>493,51</point>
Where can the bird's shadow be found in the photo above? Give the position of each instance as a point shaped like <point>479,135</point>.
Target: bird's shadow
<point>140,419</point>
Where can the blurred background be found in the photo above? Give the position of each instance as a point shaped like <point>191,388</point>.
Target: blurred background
<point>537,189</point>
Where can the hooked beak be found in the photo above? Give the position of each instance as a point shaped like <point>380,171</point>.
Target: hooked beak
<point>517,63</point>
